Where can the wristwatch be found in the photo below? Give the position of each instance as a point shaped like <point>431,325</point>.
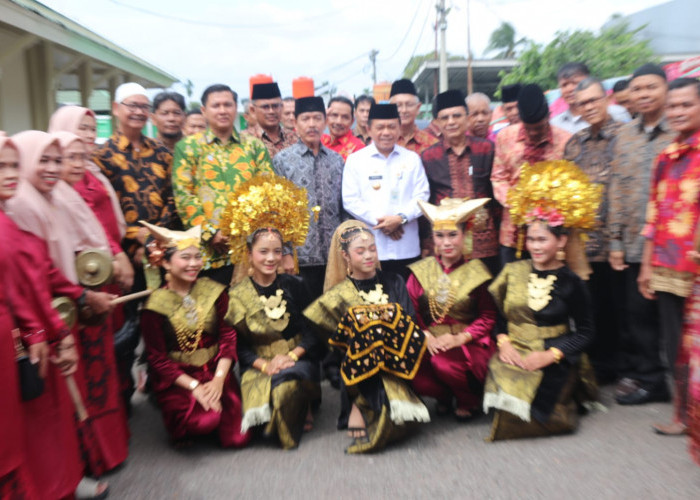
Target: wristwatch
<point>404,219</point>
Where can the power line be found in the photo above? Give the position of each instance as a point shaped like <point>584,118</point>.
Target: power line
<point>420,35</point>
<point>342,65</point>
<point>406,35</point>
<point>225,25</point>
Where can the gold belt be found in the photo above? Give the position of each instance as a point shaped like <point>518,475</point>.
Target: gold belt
<point>198,357</point>
<point>527,332</point>
<point>280,346</point>
<point>440,330</point>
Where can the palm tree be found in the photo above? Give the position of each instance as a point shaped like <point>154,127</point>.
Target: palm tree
<point>503,39</point>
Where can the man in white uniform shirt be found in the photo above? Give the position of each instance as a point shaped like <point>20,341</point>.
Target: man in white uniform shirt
<point>382,184</point>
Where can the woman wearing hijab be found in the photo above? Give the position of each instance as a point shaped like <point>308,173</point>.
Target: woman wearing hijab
<point>41,208</point>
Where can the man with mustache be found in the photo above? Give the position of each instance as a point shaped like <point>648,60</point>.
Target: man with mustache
<point>313,166</point>
<point>592,150</point>
<point>459,166</point>
<point>209,166</point>
<point>340,118</point>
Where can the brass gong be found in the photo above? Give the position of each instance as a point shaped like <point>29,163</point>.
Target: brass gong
<point>66,309</point>
<point>94,267</point>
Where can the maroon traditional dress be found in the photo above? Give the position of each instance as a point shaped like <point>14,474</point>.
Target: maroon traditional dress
<point>49,437</point>
<point>170,328</point>
<point>99,377</point>
<point>460,293</point>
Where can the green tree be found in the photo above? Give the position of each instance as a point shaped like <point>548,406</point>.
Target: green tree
<point>415,62</point>
<point>503,40</point>
<point>615,50</point>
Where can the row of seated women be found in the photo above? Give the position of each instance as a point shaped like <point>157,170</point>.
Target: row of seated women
<point>432,336</point>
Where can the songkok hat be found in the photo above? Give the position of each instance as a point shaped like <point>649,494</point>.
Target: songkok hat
<point>450,99</point>
<point>649,69</point>
<point>266,91</point>
<point>308,105</point>
<point>532,104</point>
<point>126,90</point>
<point>383,112</point>
<point>451,211</point>
<point>509,93</point>
<point>403,86</point>
<point>168,238</point>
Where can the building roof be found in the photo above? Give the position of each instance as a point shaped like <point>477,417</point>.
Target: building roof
<point>47,24</point>
<point>485,75</point>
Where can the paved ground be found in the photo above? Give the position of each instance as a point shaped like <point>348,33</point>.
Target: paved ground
<point>613,455</point>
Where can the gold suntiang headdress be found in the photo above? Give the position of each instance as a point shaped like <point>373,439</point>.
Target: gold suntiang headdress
<point>451,211</point>
<point>165,238</point>
<point>266,201</point>
<point>557,193</point>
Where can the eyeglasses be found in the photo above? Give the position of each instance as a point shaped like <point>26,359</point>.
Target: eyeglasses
<point>406,105</point>
<point>132,106</point>
<point>269,107</point>
<point>592,100</point>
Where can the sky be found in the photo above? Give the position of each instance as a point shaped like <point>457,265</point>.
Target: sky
<point>227,41</point>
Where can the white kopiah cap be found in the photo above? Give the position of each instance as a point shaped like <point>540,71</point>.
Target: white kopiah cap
<point>126,90</point>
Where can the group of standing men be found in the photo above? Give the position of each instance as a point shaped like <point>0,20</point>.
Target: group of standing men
<point>645,155</point>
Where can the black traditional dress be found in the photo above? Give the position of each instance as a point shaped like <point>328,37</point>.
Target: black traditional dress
<point>370,321</point>
<point>269,322</point>
<point>538,307</point>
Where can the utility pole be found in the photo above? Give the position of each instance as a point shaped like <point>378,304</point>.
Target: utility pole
<point>442,12</point>
<point>373,59</point>
<point>470,81</point>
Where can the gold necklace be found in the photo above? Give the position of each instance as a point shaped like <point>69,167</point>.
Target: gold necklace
<point>539,291</point>
<point>276,310</point>
<point>188,332</point>
<point>441,301</point>
<point>376,296</point>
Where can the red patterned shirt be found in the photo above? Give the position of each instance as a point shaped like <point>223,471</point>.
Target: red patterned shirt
<point>343,145</point>
<point>672,215</point>
<point>419,141</point>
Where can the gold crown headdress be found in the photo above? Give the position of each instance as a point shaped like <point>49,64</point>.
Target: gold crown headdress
<point>266,201</point>
<point>557,193</point>
<point>451,211</point>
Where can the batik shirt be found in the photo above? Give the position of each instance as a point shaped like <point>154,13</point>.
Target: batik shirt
<point>286,138</point>
<point>322,176</point>
<point>205,172</point>
<point>142,181</point>
<point>418,142</point>
<point>343,145</point>
<point>634,155</point>
<point>593,154</point>
<point>672,216</point>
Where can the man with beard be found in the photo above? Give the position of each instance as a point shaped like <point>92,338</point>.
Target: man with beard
<point>266,107</point>
<point>168,115</point>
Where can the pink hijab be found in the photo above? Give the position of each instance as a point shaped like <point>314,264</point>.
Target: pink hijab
<point>67,119</point>
<point>87,232</point>
<point>35,212</point>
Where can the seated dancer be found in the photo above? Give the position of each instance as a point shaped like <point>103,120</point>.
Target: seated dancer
<point>367,314</point>
<point>454,310</point>
<point>278,352</point>
<point>189,347</point>
<point>541,370</point>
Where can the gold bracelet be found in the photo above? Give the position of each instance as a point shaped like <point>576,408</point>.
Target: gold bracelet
<point>558,355</point>
<point>263,368</point>
<point>220,373</point>
<point>294,357</point>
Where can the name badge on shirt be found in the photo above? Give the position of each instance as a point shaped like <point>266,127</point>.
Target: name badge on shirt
<point>375,181</point>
